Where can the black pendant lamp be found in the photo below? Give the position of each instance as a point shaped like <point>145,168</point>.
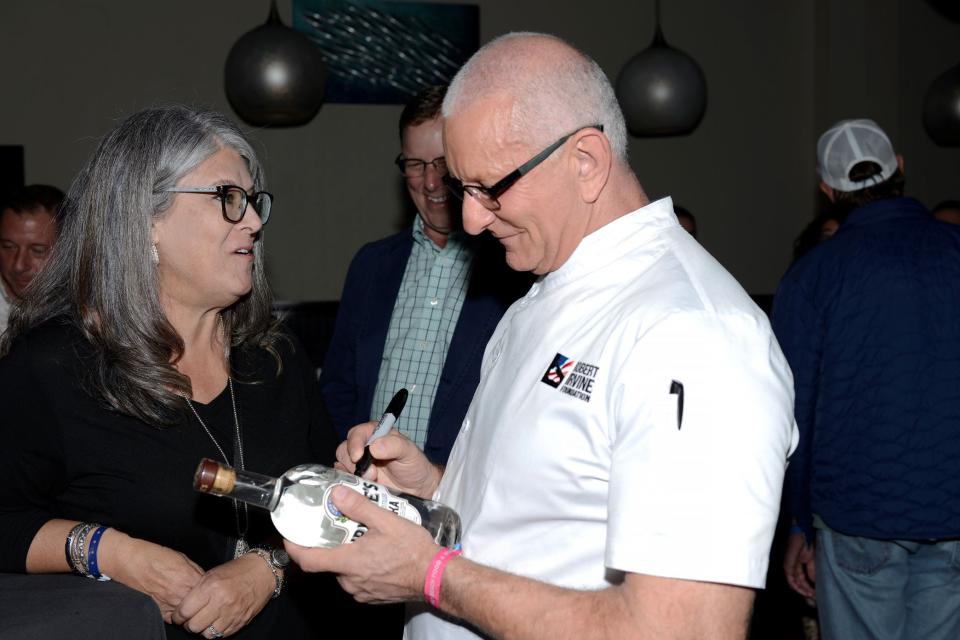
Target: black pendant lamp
<point>941,109</point>
<point>949,9</point>
<point>662,90</point>
<point>274,75</point>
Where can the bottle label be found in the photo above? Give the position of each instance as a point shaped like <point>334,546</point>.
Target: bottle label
<point>376,494</point>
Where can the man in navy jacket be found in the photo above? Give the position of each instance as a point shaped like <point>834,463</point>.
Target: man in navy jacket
<point>419,306</point>
<point>870,323</point>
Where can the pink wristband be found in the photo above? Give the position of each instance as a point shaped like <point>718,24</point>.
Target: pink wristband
<point>431,585</point>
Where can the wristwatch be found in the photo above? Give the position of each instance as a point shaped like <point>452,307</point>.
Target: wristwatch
<point>278,560</point>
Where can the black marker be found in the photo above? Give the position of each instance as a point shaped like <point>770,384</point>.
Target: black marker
<point>387,420</point>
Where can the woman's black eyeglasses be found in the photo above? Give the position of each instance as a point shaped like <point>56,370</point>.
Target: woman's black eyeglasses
<point>234,200</point>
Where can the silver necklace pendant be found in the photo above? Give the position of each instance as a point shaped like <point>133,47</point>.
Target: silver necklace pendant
<point>242,548</point>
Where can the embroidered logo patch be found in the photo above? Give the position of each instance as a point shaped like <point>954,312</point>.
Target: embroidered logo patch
<point>571,377</point>
<point>557,370</point>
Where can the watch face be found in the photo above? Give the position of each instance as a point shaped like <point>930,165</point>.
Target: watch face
<point>280,558</point>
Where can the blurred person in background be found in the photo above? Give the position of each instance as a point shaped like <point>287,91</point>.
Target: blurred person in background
<point>686,219</point>
<point>869,322</point>
<point>947,211</point>
<point>817,230</point>
<point>28,231</point>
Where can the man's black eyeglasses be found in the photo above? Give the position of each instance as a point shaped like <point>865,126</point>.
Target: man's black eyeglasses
<point>415,167</point>
<point>489,196</point>
<point>234,200</point>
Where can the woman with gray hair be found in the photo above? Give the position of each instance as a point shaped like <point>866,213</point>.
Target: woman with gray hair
<point>146,344</point>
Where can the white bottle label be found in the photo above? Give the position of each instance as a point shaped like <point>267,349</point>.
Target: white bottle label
<point>374,493</point>
<point>307,516</point>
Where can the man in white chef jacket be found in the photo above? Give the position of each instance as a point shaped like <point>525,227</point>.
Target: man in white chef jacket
<point>619,471</point>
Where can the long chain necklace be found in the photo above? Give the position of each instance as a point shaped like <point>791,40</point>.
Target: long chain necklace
<point>242,546</point>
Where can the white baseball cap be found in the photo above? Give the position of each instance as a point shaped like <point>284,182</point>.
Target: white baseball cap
<point>848,143</point>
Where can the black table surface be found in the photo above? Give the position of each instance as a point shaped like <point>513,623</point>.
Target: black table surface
<point>69,607</point>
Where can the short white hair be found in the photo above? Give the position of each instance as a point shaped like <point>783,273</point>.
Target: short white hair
<point>552,94</point>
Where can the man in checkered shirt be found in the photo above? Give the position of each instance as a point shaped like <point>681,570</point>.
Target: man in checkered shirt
<point>419,306</point>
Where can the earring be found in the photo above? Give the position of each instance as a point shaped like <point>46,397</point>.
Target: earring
<point>154,254</point>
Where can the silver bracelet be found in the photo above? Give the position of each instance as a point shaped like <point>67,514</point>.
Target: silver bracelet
<point>68,547</point>
<point>278,572</point>
<point>77,547</point>
<point>84,549</point>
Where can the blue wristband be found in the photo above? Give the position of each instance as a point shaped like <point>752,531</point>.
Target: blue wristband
<point>795,529</point>
<point>92,566</point>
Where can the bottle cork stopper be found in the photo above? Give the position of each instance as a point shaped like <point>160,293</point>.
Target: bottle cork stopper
<point>213,477</point>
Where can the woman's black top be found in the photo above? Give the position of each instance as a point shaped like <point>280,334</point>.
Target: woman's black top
<point>65,454</point>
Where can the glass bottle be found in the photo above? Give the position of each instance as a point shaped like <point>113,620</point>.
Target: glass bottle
<point>302,511</point>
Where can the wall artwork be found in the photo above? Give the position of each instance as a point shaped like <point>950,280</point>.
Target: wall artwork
<point>382,52</point>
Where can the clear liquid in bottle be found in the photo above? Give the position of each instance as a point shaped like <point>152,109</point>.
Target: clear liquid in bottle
<point>303,512</point>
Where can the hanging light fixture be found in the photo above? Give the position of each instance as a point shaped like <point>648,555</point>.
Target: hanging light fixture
<point>661,90</point>
<point>949,9</point>
<point>941,109</point>
<point>274,75</point>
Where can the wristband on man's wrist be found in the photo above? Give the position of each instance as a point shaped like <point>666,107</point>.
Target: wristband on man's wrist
<point>434,578</point>
<point>795,528</point>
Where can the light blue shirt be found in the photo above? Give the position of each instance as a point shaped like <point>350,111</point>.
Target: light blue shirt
<point>424,318</point>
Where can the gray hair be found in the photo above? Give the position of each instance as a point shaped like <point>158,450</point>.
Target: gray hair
<point>100,275</point>
<point>553,95</point>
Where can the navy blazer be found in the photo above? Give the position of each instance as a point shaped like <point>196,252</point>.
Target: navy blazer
<point>352,364</point>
